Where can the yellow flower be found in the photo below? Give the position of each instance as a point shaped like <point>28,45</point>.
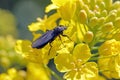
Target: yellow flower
<point>66,8</point>
<point>37,72</point>
<point>47,23</point>
<point>13,74</point>
<point>110,47</point>
<point>75,65</point>
<point>110,58</point>
<point>35,55</point>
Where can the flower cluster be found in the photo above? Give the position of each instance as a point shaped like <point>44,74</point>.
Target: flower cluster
<point>93,51</point>
<point>8,57</point>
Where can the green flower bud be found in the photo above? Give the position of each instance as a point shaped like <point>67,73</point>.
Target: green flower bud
<point>107,27</point>
<point>113,11</point>
<point>79,4</point>
<point>83,16</point>
<point>117,22</point>
<point>88,37</point>
<point>111,17</point>
<point>117,36</point>
<point>108,3</point>
<point>92,3</point>
<point>101,20</point>
<point>86,8</point>
<point>116,5</point>
<point>86,1</point>
<point>101,5</point>
<point>118,12</point>
<point>93,21</point>
<point>104,13</point>
<point>91,14</point>
<point>97,13</point>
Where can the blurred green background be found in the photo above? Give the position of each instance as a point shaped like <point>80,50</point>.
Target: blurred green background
<point>15,16</point>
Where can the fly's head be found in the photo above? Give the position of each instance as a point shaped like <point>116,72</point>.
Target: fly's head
<point>60,29</point>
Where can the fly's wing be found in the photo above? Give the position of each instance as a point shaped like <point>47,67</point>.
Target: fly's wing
<point>43,40</point>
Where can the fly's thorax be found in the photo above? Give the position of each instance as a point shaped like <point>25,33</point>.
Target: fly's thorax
<point>59,29</point>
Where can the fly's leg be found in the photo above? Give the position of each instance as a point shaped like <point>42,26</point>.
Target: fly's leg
<point>61,41</point>
<point>50,48</point>
<point>66,36</point>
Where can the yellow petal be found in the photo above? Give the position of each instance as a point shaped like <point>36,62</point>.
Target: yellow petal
<point>67,10</point>
<point>64,62</point>
<point>34,26</point>
<point>59,2</point>
<point>82,52</point>
<point>22,46</point>
<point>50,7</point>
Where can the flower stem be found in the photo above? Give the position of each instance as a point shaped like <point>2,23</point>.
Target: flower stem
<point>54,74</point>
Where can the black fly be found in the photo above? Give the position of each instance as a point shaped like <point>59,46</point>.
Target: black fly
<point>48,37</point>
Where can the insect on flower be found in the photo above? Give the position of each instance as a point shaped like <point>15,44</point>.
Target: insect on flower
<point>48,37</point>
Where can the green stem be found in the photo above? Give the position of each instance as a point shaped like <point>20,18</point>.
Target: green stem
<point>94,48</point>
<point>54,74</point>
<point>96,58</point>
<point>96,54</point>
<point>93,58</point>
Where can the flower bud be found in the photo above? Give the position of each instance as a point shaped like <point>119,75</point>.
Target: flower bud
<point>86,8</point>
<point>83,16</point>
<point>104,13</point>
<point>107,27</point>
<point>111,17</point>
<point>101,20</point>
<point>118,12</point>
<point>117,22</point>
<point>117,36</point>
<point>108,3</point>
<point>97,13</point>
<point>86,1</point>
<point>102,5</point>
<point>116,5</point>
<point>91,14</point>
<point>113,11</point>
<point>92,3</point>
<point>88,37</point>
<point>93,21</point>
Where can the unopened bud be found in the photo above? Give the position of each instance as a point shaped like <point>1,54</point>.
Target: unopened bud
<point>102,5</point>
<point>92,3</point>
<point>93,21</point>
<point>88,37</point>
<point>91,14</point>
<point>104,13</point>
<point>111,17</point>
<point>108,3</point>
<point>117,22</point>
<point>117,36</point>
<point>116,5</point>
<point>86,8</point>
<point>83,16</point>
<point>101,20</point>
<point>107,27</point>
<point>118,12</point>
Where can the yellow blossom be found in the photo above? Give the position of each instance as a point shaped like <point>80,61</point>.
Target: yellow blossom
<point>13,74</point>
<point>75,65</point>
<point>34,55</point>
<point>109,61</point>
<point>37,72</point>
<point>47,23</point>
